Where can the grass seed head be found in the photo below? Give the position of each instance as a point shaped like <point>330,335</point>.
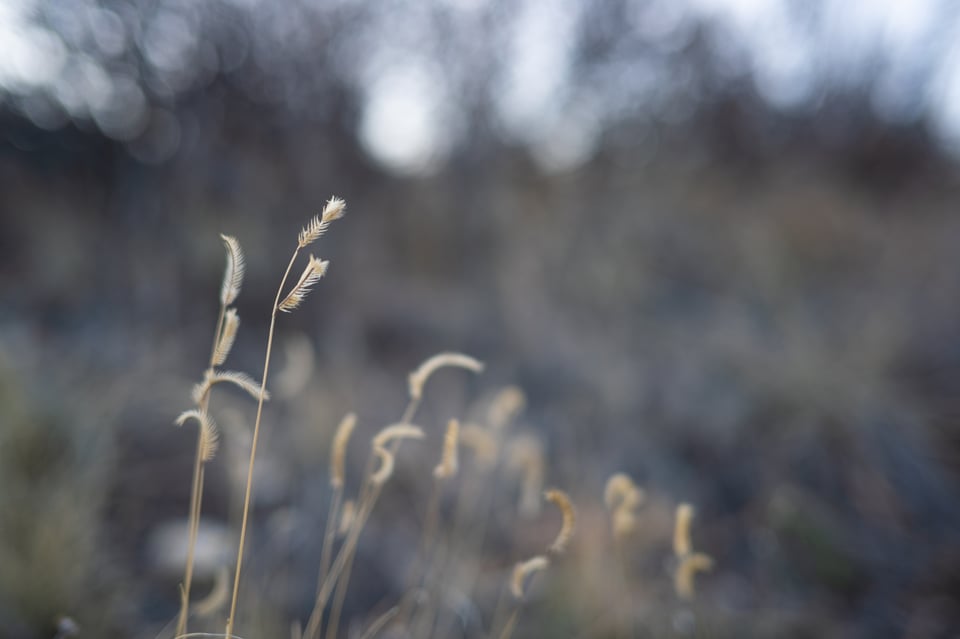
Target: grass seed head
<point>231,322</point>
<point>396,431</point>
<point>233,275</point>
<point>333,210</point>
<point>419,377</point>
<point>448,463</point>
<point>562,501</point>
<point>681,530</point>
<point>338,452</point>
<point>312,273</point>
<point>209,434</point>
<point>523,570</point>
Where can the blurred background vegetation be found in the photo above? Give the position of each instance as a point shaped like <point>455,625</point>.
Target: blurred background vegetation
<point>715,242</point>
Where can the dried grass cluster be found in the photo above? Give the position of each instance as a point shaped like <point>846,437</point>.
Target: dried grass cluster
<point>469,482</point>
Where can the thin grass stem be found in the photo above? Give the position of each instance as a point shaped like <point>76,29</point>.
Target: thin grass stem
<point>253,446</point>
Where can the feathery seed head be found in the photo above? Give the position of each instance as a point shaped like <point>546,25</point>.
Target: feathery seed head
<point>209,435</point>
<point>314,270</point>
<point>562,501</point>
<point>231,322</point>
<point>233,275</point>
<point>386,466</point>
<point>396,431</point>
<point>419,377</point>
<point>333,209</point>
<point>317,226</point>
<point>523,570</point>
<point>238,379</point>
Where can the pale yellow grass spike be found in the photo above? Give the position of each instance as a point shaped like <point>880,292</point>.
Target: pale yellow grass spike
<point>562,501</point>
<point>681,531</point>
<point>338,452</point>
<point>383,473</point>
<point>618,487</point>
<point>623,497</point>
<point>333,210</point>
<point>523,570</point>
<point>233,275</point>
<point>689,566</point>
<point>396,431</point>
<point>504,408</point>
<point>481,442</point>
<point>380,441</point>
<point>209,435</point>
<point>347,516</point>
<point>238,379</point>
<point>231,322</point>
<point>218,594</point>
<point>315,269</point>
<point>419,377</point>
<point>449,462</point>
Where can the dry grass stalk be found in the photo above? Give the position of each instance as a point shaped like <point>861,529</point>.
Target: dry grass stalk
<point>689,566</point>
<point>419,377</point>
<point>347,516</point>
<point>681,530</point>
<point>448,462</point>
<point>523,570</point>
<point>562,501</point>
<point>313,272</point>
<point>339,574</point>
<point>380,623</point>
<point>338,452</point>
<point>422,566</point>
<point>224,336</point>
